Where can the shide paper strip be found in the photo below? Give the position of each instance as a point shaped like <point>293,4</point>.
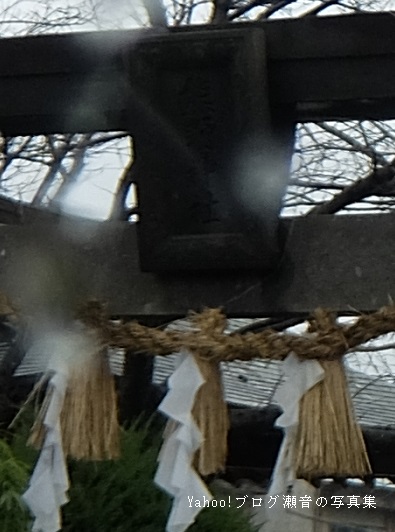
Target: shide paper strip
<point>182,438</point>
<point>57,350</point>
<point>300,376</point>
<point>49,483</point>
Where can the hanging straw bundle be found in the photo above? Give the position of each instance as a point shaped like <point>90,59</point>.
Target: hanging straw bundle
<point>89,417</point>
<point>329,441</point>
<point>211,415</point>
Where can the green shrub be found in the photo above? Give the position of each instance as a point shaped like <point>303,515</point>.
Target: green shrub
<point>117,495</point>
<point>13,480</point>
<point>120,496</point>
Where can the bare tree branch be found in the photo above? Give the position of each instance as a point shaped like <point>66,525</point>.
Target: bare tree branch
<point>156,13</point>
<point>71,175</point>
<point>318,9</point>
<point>58,156</point>
<point>119,211</point>
<point>245,8</point>
<point>276,6</point>
<point>380,181</point>
<point>220,12</point>
<point>367,150</point>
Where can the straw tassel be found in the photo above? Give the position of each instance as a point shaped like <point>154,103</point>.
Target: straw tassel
<point>211,415</point>
<point>89,417</point>
<point>329,442</point>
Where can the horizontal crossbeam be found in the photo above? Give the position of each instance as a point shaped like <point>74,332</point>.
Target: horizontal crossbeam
<point>339,262</point>
<point>319,68</point>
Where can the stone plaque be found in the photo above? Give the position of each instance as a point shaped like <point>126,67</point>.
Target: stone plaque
<point>209,171</point>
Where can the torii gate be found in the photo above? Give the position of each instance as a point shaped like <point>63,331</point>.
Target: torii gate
<point>189,97</point>
<point>183,95</point>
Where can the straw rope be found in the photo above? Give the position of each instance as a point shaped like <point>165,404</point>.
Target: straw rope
<point>212,344</point>
<point>329,441</point>
<point>328,342</point>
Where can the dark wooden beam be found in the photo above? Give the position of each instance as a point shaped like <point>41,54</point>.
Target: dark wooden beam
<point>334,67</point>
<point>340,262</point>
<point>319,68</point>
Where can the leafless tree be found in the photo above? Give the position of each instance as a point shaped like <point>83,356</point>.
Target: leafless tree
<point>336,166</point>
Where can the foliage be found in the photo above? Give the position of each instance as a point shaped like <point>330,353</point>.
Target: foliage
<point>224,519</point>
<point>13,480</point>
<point>119,496</point>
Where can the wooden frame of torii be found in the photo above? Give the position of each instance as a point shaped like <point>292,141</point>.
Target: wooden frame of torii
<point>83,82</point>
<point>311,75</point>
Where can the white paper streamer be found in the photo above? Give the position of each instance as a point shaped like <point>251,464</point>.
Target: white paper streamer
<point>49,483</point>
<point>300,376</point>
<point>182,438</point>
